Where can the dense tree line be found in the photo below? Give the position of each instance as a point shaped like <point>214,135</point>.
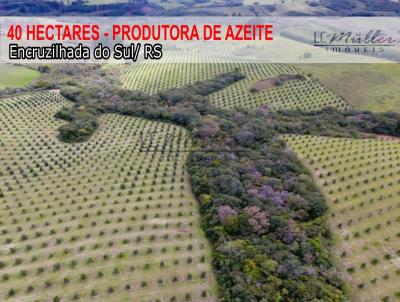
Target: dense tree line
<point>260,207</point>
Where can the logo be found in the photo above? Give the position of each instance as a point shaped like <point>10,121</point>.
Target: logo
<point>374,41</point>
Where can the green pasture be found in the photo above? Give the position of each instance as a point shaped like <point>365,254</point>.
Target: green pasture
<point>374,87</point>
<point>13,76</point>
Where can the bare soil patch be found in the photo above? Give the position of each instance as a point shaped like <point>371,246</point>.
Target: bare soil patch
<point>274,82</point>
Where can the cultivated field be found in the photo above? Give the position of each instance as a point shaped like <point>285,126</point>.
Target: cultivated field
<point>374,87</point>
<point>111,219</point>
<point>300,94</point>
<point>303,94</point>
<point>361,180</point>
<point>152,78</point>
<point>16,76</point>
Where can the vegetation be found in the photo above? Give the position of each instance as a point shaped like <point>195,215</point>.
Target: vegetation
<point>373,87</point>
<point>360,179</point>
<point>110,219</point>
<point>304,94</point>
<point>83,123</point>
<point>260,208</point>
<point>113,197</point>
<point>255,226</point>
<point>13,76</point>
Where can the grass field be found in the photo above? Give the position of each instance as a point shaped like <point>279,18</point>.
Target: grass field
<point>361,180</point>
<point>16,76</point>
<point>305,94</point>
<point>111,219</point>
<point>374,87</point>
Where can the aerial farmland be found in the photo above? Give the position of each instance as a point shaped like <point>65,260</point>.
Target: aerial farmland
<point>232,172</point>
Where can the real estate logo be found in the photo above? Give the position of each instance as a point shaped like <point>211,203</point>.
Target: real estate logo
<point>373,41</point>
